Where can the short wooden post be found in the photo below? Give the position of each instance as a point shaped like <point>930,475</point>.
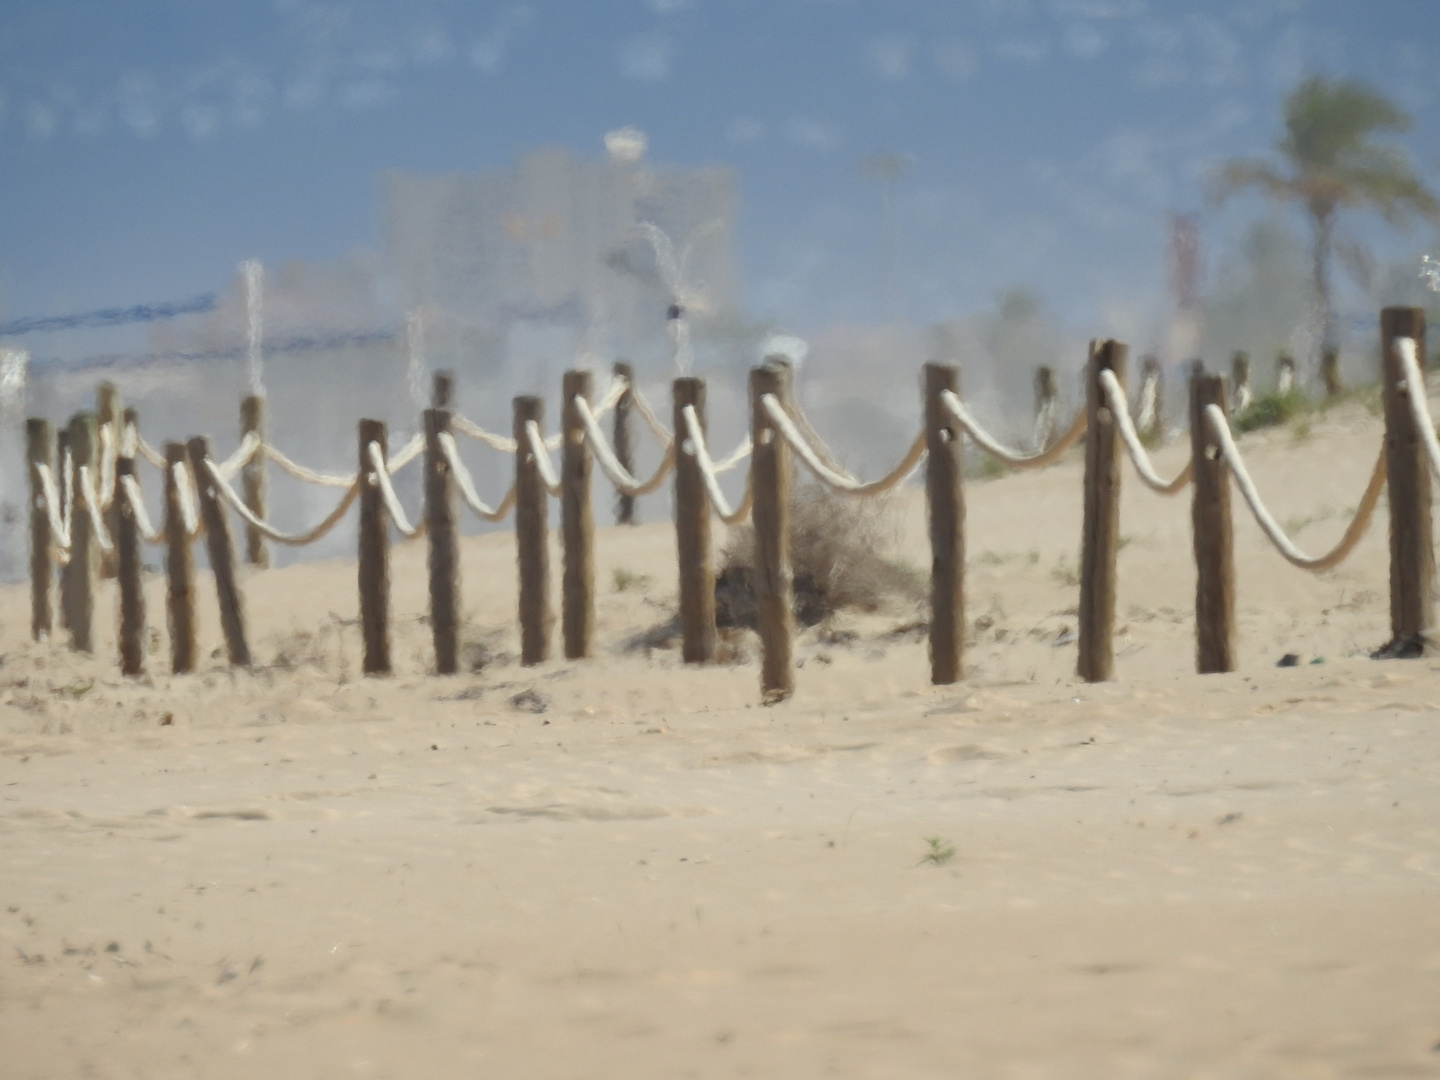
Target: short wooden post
<point>78,582</point>
<point>38,451</point>
<point>110,432</point>
<point>692,530</point>
<point>64,491</point>
<point>253,480</point>
<point>442,390</point>
<point>577,522</point>
<point>221,550</point>
<point>1100,542</point>
<point>1240,392</point>
<point>1047,397</point>
<point>179,566</point>
<point>770,473</point>
<point>128,569</point>
<point>532,538</point>
<point>374,561</point>
<point>1211,530</point>
<point>1407,473</point>
<point>945,502</point>
<point>1330,373</point>
<point>1285,374</point>
<point>443,560</point>
<point>624,442</point>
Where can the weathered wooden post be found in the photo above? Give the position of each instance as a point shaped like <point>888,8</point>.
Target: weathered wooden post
<point>1149,413</point>
<point>179,566</point>
<point>1240,392</point>
<point>1100,542</point>
<point>1407,475</point>
<point>1047,403</point>
<point>443,561</point>
<point>624,441</point>
<point>532,537</point>
<point>128,569</point>
<point>374,560</point>
<point>692,530</point>
<point>221,550</point>
<point>577,521</point>
<point>770,474</point>
<point>1285,374</point>
<point>109,433</point>
<point>945,500</point>
<point>253,480</point>
<point>1211,530</point>
<point>1330,372</point>
<point>38,452</point>
<point>65,491</point>
<point>78,580</point>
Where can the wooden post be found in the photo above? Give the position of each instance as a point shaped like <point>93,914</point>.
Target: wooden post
<point>38,452</point>
<point>443,560</point>
<point>109,432</point>
<point>1100,541</point>
<point>1407,474</point>
<point>64,491</point>
<point>442,390</point>
<point>374,562</point>
<point>692,531</point>
<point>1330,373</point>
<point>1150,415</point>
<point>252,476</point>
<point>128,568</point>
<point>222,554</point>
<point>624,445</point>
<point>770,473</point>
<point>945,501</point>
<point>179,568</point>
<point>1240,393</point>
<point>1047,394</point>
<point>78,581</point>
<point>577,522</point>
<point>1211,530</point>
<point>1285,374</point>
<point>532,538</point>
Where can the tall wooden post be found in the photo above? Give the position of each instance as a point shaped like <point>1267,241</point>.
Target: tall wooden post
<point>78,581</point>
<point>692,531</point>
<point>532,538</point>
<point>443,560</point>
<point>221,550</point>
<point>770,473</point>
<point>252,477</point>
<point>179,567</point>
<point>945,502</point>
<point>374,562</point>
<point>624,441</point>
<point>1211,530</point>
<point>577,522</point>
<point>1407,474</point>
<point>1100,541</point>
<point>109,433</point>
<point>128,569</point>
<point>64,491</point>
<point>1330,372</point>
<point>38,451</point>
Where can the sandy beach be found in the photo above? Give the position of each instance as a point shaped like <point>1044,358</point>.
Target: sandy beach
<point>625,868</point>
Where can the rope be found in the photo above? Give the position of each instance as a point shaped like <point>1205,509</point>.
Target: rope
<point>1141,460</point>
<point>739,454</point>
<point>1014,459</point>
<point>616,390</point>
<point>696,446</point>
<point>1419,407</point>
<point>300,472</point>
<point>151,534</point>
<point>1292,554</point>
<point>59,527</point>
<point>97,513</point>
<point>542,458</point>
<point>620,476</point>
<point>249,446</point>
<point>474,431</point>
<point>381,476</point>
<point>293,539</point>
<point>148,452</point>
<point>829,476</point>
<point>467,484</point>
<point>661,432</point>
<point>406,454</point>
<point>189,508</point>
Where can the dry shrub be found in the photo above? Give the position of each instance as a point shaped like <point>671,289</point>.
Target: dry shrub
<point>836,552</point>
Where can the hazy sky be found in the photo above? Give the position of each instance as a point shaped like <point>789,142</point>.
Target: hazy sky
<point>150,145</point>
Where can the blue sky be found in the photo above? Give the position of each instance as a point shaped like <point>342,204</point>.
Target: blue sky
<point>150,145</point>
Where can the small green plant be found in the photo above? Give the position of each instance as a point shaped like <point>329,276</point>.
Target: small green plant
<point>624,580</point>
<point>941,852</point>
<point>1271,410</point>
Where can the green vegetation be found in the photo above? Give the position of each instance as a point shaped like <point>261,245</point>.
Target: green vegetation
<point>1271,410</point>
<point>941,852</point>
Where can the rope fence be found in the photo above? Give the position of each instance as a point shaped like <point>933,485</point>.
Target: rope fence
<point>80,527</point>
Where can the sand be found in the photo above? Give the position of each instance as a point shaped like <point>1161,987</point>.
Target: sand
<point>624,868</point>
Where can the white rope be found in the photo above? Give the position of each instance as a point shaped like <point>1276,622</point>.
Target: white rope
<point>1014,459</point>
<point>618,385</point>
<point>300,472</point>
<point>59,527</point>
<point>467,483</point>
<point>1356,529</point>
<point>293,539</point>
<point>148,452</point>
<point>1419,406</point>
<point>92,504</point>
<point>472,430</point>
<point>1115,395</point>
<point>189,504</point>
<point>131,487</point>
<point>736,456</point>
<point>661,432</point>
<point>406,454</point>
<point>620,476</point>
<point>542,458</point>
<point>695,444</point>
<point>249,446</point>
<point>381,476</point>
<point>829,476</point>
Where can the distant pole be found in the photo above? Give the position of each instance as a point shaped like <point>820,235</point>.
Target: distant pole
<point>623,438</point>
<point>253,480</point>
<point>179,567</point>
<point>1212,531</point>
<point>443,560</point>
<point>221,550</point>
<point>1285,374</point>
<point>532,538</point>
<point>109,431</point>
<point>64,491</point>
<point>84,565</point>
<point>374,554</point>
<point>945,501</point>
<point>1330,372</point>
<point>1150,418</point>
<point>577,521</point>
<point>1100,542</point>
<point>128,569</point>
<point>692,531</point>
<point>1412,558</point>
<point>770,473</point>
<point>1240,393</point>
<point>38,451</point>
<point>1047,396</point>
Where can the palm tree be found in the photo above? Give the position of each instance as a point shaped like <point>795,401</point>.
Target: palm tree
<point>1331,160</point>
